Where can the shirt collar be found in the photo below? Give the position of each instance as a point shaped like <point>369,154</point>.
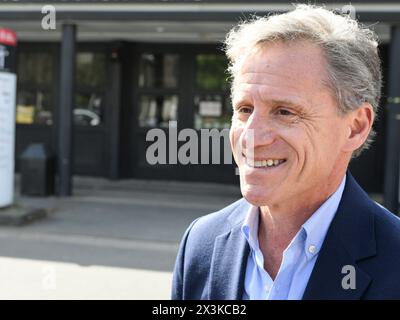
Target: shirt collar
<point>315,228</point>
<point>250,226</point>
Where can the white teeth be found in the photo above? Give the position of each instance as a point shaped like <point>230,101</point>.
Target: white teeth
<point>264,163</point>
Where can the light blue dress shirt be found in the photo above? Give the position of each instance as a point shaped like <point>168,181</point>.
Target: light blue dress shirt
<point>298,258</point>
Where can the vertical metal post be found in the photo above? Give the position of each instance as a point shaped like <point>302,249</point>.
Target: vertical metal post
<point>65,112</point>
<point>391,188</point>
<point>115,110</point>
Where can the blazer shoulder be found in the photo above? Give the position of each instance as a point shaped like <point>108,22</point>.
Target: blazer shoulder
<point>193,263</point>
<point>204,230</point>
<point>387,227</point>
<point>384,268</point>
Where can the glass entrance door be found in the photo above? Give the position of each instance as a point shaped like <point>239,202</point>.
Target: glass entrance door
<point>184,86</point>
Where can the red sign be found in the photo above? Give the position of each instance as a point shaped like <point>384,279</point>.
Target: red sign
<point>8,37</point>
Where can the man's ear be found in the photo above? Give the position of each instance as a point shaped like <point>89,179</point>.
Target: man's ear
<point>359,126</point>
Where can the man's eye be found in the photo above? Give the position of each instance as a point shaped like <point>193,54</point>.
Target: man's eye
<point>245,110</point>
<point>285,112</point>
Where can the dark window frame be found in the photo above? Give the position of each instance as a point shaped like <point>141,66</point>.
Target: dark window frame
<point>104,48</point>
<point>40,47</point>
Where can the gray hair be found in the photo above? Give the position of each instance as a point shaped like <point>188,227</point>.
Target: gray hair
<point>353,63</point>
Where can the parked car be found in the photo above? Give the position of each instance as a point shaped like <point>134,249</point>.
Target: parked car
<point>86,117</point>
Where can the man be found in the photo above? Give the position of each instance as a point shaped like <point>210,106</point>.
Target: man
<point>305,91</point>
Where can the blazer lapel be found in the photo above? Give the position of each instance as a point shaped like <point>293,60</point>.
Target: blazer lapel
<point>326,279</point>
<point>228,265</point>
<point>350,239</point>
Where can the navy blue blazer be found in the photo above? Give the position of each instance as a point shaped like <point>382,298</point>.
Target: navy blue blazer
<point>212,257</point>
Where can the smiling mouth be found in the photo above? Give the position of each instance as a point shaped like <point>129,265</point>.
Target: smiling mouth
<point>267,163</point>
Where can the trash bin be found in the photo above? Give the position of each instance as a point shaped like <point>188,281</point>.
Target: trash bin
<point>37,171</point>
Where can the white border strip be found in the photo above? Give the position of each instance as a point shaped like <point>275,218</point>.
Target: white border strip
<point>172,7</point>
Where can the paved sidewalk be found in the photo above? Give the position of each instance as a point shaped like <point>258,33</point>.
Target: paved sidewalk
<point>111,240</point>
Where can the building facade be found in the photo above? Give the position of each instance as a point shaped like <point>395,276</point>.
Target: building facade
<point>140,65</point>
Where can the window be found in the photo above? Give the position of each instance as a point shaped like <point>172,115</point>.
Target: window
<point>35,87</point>
<point>35,67</point>
<point>157,111</point>
<point>88,109</point>
<point>158,70</point>
<point>91,69</point>
<point>211,72</point>
<point>91,75</point>
<point>35,97</point>
<point>34,106</point>
<point>212,111</point>
<point>212,100</point>
<point>158,86</point>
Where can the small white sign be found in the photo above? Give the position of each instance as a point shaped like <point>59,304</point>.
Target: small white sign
<point>8,83</point>
<point>210,108</point>
<point>3,55</point>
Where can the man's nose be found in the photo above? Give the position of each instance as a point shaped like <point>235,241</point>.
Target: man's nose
<point>259,131</point>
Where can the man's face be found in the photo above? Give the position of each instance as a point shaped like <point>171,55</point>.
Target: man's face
<point>282,98</point>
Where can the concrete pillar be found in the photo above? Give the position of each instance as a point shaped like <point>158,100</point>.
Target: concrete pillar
<point>65,112</point>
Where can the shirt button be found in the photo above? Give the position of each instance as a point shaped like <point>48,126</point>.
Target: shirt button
<point>266,287</point>
<point>312,249</point>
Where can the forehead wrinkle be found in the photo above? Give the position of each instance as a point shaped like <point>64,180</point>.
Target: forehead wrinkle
<point>277,82</point>
<point>259,77</point>
<point>292,71</point>
<point>250,85</point>
<point>270,78</point>
<point>267,92</point>
<point>287,100</point>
